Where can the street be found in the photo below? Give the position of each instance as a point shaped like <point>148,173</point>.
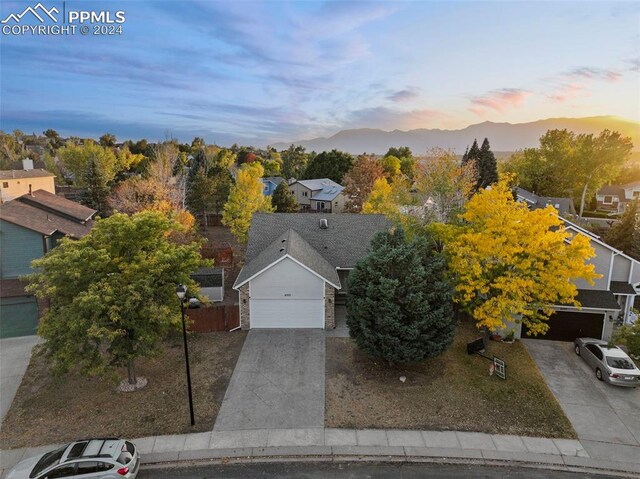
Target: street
<point>324,470</point>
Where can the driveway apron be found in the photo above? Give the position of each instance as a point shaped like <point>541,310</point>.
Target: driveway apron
<point>278,382</point>
<point>600,413</point>
<point>15,354</point>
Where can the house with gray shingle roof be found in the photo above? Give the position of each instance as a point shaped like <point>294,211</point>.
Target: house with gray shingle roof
<point>296,264</point>
<point>616,198</point>
<point>321,195</point>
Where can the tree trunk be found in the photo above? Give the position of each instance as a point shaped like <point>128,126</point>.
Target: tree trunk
<point>131,371</point>
<point>584,194</point>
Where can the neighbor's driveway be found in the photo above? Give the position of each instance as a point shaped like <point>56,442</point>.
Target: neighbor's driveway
<point>15,354</point>
<point>278,382</point>
<point>600,413</point>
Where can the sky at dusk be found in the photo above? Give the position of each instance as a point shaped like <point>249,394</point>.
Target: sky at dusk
<point>263,72</point>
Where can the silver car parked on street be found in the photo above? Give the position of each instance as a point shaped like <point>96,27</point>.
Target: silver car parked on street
<point>610,363</point>
<point>108,458</point>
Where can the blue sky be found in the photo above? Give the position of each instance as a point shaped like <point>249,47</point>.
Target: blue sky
<point>261,72</point>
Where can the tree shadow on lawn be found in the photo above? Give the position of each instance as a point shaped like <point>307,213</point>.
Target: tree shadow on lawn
<point>50,410</point>
<point>450,392</point>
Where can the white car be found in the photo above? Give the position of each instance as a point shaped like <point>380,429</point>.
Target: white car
<point>107,458</point>
<point>610,363</point>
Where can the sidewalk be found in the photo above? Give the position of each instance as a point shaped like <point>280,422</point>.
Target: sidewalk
<point>383,445</point>
<point>15,354</point>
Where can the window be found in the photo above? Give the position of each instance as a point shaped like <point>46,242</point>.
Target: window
<point>76,450</point>
<point>305,193</point>
<point>336,203</point>
<point>608,200</point>
<point>87,467</point>
<point>48,460</point>
<point>67,470</point>
<point>5,184</point>
<point>635,194</point>
<point>619,363</point>
<point>595,350</point>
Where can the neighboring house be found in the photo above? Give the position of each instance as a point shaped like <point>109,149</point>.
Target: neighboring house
<point>297,263</point>
<point>211,282</point>
<point>270,183</point>
<point>30,226</point>
<point>321,195</point>
<point>14,183</point>
<point>615,198</point>
<point>607,302</point>
<point>563,205</point>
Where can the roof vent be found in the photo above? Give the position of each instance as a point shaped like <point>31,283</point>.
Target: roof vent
<point>324,224</point>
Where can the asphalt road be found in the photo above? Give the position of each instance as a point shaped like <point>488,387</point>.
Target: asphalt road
<point>360,470</point>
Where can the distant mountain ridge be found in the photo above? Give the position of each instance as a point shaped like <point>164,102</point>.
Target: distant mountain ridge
<point>502,136</point>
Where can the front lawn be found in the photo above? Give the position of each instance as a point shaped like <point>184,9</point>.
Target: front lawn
<point>50,410</point>
<point>450,392</point>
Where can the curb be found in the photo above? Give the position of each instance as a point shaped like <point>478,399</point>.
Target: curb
<point>390,454</point>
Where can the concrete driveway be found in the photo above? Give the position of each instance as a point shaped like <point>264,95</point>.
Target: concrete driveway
<point>278,382</point>
<point>600,413</point>
<point>15,354</point>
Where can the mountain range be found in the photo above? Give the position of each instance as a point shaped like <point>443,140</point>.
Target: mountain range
<point>502,136</point>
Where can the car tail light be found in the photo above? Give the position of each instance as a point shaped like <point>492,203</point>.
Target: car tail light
<point>123,471</point>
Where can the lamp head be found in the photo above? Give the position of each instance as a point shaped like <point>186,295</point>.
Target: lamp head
<point>181,291</point>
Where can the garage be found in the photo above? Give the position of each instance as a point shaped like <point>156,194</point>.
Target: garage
<point>569,325</point>
<point>287,295</point>
<point>18,316</point>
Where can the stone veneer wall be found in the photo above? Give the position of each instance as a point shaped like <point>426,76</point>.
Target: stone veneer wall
<point>329,306</point>
<point>245,317</point>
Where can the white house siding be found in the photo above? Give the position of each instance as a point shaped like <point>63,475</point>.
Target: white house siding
<point>621,268</point>
<point>303,201</point>
<point>287,295</point>
<point>602,262</point>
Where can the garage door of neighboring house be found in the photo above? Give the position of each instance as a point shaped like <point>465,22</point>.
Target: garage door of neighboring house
<point>567,326</point>
<point>18,316</point>
<point>286,295</point>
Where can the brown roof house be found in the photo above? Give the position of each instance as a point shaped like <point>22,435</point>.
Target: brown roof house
<point>615,198</point>
<point>30,226</point>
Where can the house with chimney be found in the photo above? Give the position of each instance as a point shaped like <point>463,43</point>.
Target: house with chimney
<point>14,183</point>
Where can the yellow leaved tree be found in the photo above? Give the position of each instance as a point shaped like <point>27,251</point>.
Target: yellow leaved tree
<point>245,198</point>
<point>510,262</point>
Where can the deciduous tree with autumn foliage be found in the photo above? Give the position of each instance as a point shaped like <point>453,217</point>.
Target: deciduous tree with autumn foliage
<point>510,262</point>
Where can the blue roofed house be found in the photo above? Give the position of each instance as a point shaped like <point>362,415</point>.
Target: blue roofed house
<point>270,183</point>
<point>30,226</point>
<point>605,304</point>
<point>320,195</point>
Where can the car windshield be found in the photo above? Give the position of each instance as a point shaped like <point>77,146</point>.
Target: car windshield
<point>48,460</point>
<point>619,363</point>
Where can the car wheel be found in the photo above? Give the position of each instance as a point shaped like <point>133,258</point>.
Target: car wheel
<point>599,374</point>
<point>577,350</point>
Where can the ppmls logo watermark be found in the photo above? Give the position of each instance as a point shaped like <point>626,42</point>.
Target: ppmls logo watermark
<point>40,20</point>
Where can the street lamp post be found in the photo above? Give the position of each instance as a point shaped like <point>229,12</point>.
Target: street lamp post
<point>181,291</point>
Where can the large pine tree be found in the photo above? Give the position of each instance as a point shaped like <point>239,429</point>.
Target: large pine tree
<point>625,235</point>
<point>487,166</point>
<point>283,199</point>
<point>399,303</point>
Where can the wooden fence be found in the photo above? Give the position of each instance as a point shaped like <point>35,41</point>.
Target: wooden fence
<point>217,317</point>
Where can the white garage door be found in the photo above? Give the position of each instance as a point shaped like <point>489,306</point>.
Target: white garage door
<point>287,313</point>
<point>286,295</point>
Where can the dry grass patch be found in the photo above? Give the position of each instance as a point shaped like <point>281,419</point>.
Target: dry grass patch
<point>450,392</point>
<point>50,410</point>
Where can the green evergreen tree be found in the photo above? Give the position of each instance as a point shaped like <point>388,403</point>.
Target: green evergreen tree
<point>332,164</point>
<point>487,166</point>
<point>97,191</point>
<point>472,154</point>
<point>625,235</point>
<point>399,302</point>
<point>283,199</point>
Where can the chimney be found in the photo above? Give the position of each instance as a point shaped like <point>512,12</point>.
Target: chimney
<point>30,192</point>
<point>324,224</point>
<point>27,164</point>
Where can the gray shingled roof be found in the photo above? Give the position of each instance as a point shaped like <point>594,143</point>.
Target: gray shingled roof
<point>622,287</point>
<point>563,205</point>
<point>613,190</point>
<point>343,243</point>
<point>19,174</point>
<point>594,298</point>
<point>209,277</point>
<point>290,244</point>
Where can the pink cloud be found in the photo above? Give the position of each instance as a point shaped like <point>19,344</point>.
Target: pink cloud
<point>568,92</point>
<point>595,74</point>
<point>498,100</point>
